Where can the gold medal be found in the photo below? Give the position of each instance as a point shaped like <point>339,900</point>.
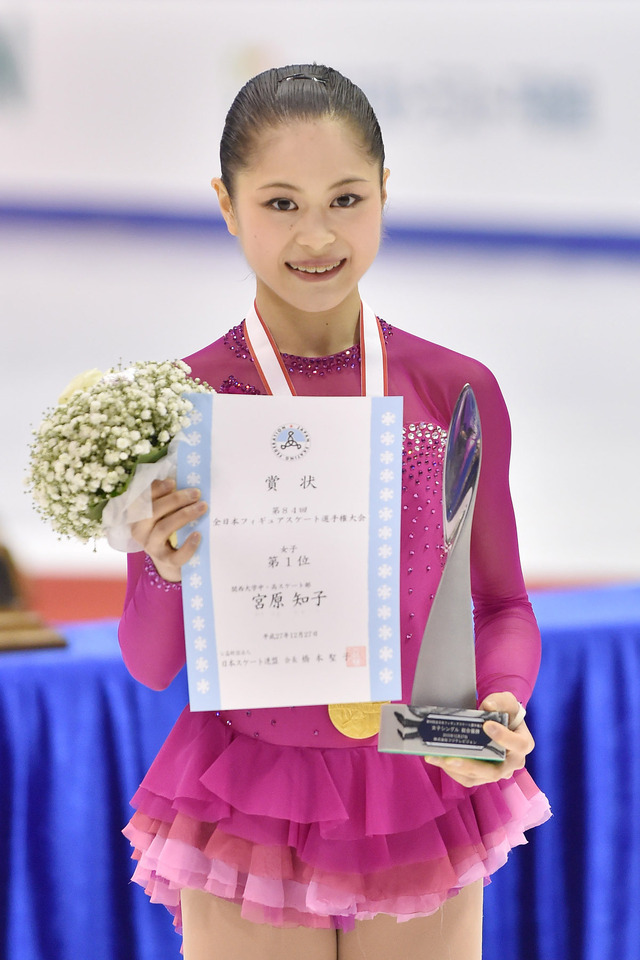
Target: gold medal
<point>356,720</point>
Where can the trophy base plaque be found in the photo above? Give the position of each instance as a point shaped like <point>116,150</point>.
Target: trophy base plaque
<point>19,628</point>
<point>22,630</point>
<point>439,732</point>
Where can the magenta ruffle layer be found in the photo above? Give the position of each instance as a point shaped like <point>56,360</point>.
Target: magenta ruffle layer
<point>318,837</point>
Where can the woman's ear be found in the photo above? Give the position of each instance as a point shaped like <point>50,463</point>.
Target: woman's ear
<point>226,206</point>
<point>385,177</point>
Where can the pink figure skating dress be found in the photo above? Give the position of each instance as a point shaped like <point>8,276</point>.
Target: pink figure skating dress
<point>277,810</point>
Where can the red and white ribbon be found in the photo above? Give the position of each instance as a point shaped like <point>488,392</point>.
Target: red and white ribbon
<point>275,377</point>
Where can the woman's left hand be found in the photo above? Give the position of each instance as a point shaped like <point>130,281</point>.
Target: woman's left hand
<point>518,743</point>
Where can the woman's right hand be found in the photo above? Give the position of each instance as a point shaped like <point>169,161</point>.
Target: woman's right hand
<point>172,510</point>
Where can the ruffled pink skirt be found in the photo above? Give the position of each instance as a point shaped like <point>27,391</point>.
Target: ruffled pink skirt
<point>316,837</point>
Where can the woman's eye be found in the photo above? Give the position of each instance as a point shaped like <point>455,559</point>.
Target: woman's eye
<point>346,200</point>
<point>282,204</point>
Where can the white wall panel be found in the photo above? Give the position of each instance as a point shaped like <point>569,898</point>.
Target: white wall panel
<point>494,111</point>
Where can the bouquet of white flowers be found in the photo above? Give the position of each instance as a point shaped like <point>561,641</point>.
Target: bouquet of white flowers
<point>87,449</point>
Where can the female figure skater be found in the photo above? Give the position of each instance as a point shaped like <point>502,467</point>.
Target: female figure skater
<point>271,833</point>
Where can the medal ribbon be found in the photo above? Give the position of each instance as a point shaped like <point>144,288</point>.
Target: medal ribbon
<point>355,720</point>
<point>275,377</point>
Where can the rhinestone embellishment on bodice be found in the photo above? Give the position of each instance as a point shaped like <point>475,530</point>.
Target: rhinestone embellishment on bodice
<point>422,536</point>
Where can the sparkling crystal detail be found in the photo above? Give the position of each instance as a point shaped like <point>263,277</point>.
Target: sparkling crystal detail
<point>156,580</point>
<point>232,385</point>
<point>309,366</point>
<point>423,462</point>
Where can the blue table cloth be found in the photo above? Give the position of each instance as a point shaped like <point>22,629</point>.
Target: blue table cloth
<point>572,893</point>
<point>77,734</point>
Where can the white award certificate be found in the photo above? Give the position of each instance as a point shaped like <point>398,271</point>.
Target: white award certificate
<point>292,595</point>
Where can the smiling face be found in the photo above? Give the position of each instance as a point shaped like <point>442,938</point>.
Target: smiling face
<point>307,212</point>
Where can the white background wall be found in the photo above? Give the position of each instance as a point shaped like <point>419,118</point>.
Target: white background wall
<point>516,113</point>
<point>505,110</point>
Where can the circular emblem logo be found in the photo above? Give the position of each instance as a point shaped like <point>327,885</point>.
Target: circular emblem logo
<point>290,441</point>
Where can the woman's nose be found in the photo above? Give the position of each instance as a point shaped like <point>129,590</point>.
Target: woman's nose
<point>314,232</point>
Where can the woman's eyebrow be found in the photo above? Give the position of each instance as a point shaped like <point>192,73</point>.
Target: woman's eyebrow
<point>290,186</point>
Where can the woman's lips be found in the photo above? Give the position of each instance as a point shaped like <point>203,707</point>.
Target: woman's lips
<point>315,272</point>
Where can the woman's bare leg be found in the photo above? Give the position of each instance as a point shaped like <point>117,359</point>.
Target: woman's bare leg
<point>214,930</point>
<point>453,933</point>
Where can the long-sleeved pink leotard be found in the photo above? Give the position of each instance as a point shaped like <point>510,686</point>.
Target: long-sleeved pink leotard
<point>275,808</point>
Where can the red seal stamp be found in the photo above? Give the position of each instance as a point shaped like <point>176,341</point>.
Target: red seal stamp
<point>356,656</point>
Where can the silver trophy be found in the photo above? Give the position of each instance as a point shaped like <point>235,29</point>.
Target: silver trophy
<point>446,668</point>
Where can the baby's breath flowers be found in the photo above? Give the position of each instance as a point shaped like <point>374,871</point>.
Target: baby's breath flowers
<point>86,450</point>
